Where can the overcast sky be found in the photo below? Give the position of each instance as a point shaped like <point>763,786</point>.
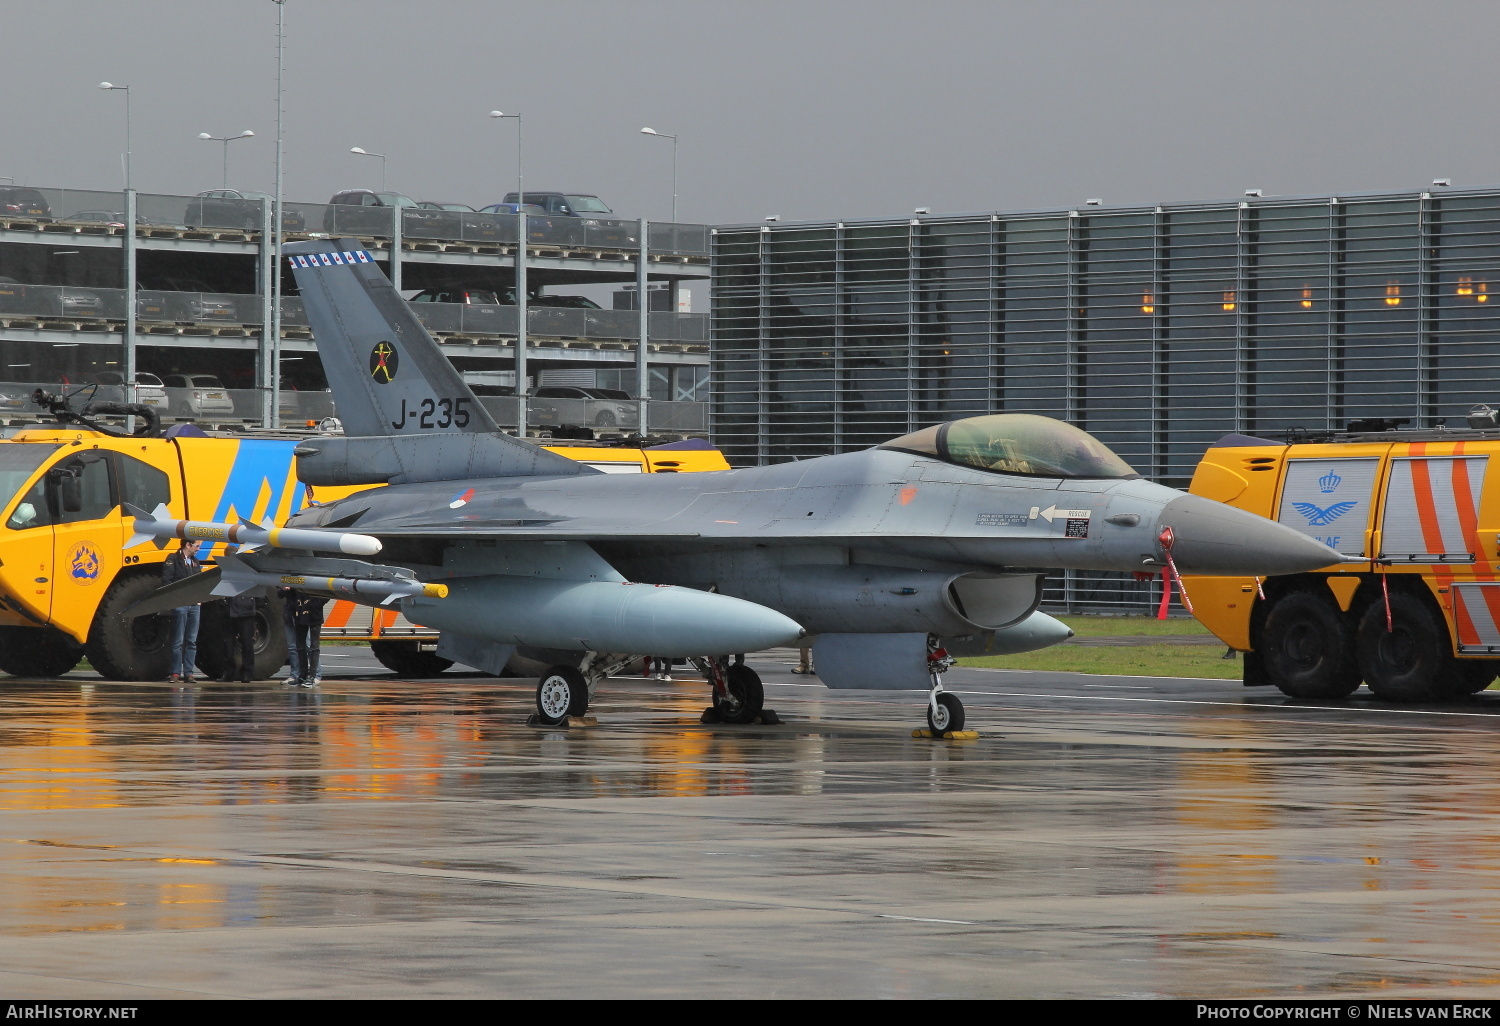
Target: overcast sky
<point>803,108</point>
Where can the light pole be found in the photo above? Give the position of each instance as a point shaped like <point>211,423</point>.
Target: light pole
<point>664,135</point>
<point>366,153</point>
<point>521,410</point>
<point>226,140</point>
<point>272,411</point>
<point>128,252</point>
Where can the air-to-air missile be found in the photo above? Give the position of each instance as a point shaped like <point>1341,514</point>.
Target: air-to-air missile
<point>159,528</point>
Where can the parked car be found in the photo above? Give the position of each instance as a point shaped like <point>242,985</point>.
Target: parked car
<point>606,407</point>
<point>569,302</point>
<point>512,208</point>
<point>364,211</point>
<point>149,390</point>
<point>12,295</point>
<point>233,208</point>
<point>185,299</point>
<point>578,210</point>
<point>197,395</point>
<point>26,203</point>
<point>81,303</point>
<point>436,220</point>
<point>466,296</point>
<point>565,204</point>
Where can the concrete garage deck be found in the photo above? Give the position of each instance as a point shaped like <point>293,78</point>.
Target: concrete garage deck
<point>1106,837</point>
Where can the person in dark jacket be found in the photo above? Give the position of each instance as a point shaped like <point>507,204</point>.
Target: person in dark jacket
<point>307,624</point>
<point>180,565</point>
<point>242,609</point>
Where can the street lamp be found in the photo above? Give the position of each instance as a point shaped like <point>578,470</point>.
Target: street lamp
<point>226,140</point>
<point>520,279</point>
<point>128,252</point>
<point>366,153</point>
<point>664,135</point>
<point>111,87</point>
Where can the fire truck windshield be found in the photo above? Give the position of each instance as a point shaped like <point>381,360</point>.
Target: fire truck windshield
<point>18,461</point>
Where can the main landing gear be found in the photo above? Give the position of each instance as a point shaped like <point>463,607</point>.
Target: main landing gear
<point>945,713</point>
<point>566,691</point>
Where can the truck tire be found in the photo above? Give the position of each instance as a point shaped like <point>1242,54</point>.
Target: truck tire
<point>1411,662</point>
<point>135,649</point>
<point>1473,676</point>
<point>218,644</point>
<point>407,658</point>
<point>1307,647</point>
<point>37,652</point>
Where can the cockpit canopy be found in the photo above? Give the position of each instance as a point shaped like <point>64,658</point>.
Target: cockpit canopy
<point>1016,443</point>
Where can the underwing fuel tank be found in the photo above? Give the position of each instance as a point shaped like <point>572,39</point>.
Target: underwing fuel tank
<point>600,616</point>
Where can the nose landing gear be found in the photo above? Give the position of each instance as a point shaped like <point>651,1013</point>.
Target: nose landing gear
<point>945,713</point>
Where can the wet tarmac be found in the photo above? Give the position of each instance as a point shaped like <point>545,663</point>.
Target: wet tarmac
<point>1105,837</point>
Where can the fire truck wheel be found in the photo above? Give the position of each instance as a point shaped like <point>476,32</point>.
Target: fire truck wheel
<point>407,658</point>
<point>1473,675</point>
<point>135,649</point>
<point>219,645</point>
<point>37,652</point>
<point>1307,647</point>
<point>1411,662</point>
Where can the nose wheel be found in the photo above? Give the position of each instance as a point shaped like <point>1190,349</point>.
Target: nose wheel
<point>945,713</point>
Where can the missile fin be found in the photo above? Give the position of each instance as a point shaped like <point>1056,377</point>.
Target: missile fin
<point>139,538</point>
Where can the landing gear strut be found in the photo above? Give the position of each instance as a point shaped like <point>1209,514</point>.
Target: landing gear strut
<point>738,693</point>
<point>944,711</point>
<point>565,691</point>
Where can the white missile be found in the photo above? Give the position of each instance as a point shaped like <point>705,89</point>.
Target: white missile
<point>236,579</point>
<point>159,528</point>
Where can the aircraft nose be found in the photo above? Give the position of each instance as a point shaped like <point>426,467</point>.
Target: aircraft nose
<point>1211,538</point>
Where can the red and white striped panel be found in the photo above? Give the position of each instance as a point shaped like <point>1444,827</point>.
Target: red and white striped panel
<point>1476,608</point>
<point>1432,509</point>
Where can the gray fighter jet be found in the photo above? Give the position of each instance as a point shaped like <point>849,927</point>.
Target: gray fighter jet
<point>893,559</point>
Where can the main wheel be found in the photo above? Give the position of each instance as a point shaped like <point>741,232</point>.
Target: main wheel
<point>1307,647</point>
<point>746,698</point>
<point>219,643</point>
<point>37,652</point>
<point>562,692</point>
<point>1473,675</point>
<point>134,649</point>
<point>949,714</point>
<point>407,658</point>
<point>1411,662</point>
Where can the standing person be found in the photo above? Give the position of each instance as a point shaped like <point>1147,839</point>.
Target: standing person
<point>294,663</point>
<point>805,665</point>
<point>180,565</point>
<point>242,610</point>
<point>307,623</point>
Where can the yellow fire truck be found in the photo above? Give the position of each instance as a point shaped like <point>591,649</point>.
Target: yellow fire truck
<point>1413,612</point>
<point>66,576</point>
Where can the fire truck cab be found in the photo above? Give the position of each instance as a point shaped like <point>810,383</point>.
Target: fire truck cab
<point>1413,612</point>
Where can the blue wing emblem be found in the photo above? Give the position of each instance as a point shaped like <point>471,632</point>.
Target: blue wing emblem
<point>1318,516</point>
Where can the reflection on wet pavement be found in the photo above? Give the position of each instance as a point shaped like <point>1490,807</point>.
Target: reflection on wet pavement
<point>384,838</point>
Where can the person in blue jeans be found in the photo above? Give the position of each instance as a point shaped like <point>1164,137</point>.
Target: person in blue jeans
<point>293,658</point>
<point>179,565</point>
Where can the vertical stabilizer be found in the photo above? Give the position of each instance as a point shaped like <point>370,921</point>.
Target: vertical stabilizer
<point>387,374</point>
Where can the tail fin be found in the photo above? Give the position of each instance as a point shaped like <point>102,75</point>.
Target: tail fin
<point>387,374</point>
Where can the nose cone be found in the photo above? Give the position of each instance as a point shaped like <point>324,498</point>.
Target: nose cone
<point>1036,631</point>
<point>1212,538</point>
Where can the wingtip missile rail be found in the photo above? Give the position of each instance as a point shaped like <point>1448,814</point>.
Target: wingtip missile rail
<point>159,528</point>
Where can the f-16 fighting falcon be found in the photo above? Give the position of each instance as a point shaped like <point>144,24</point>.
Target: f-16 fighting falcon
<point>892,559</point>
